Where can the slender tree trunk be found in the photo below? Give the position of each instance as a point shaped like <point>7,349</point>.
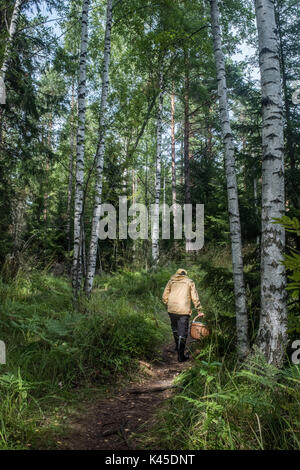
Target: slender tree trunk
<point>255,203</point>
<point>45,211</point>
<point>155,225</point>
<point>46,195</point>
<point>133,203</point>
<point>71,159</point>
<point>80,144</point>
<point>187,131</point>
<point>164,188</point>
<point>92,258</point>
<point>173,148</point>
<point>18,210</point>
<point>7,56</point>
<point>187,177</point>
<point>272,334</point>
<point>145,242</point>
<point>232,193</point>
<point>12,32</point>
<point>182,158</point>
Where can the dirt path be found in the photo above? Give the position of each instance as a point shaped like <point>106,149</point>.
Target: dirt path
<point>116,423</point>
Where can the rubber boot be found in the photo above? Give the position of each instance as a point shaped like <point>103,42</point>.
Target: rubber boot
<point>181,346</point>
<point>176,341</point>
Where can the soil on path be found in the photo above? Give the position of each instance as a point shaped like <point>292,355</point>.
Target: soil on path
<point>116,423</point>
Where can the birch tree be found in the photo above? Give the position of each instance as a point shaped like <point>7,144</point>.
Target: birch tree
<point>80,144</point>
<point>232,193</point>
<point>155,215</point>
<point>99,158</point>
<point>71,158</point>
<point>272,334</point>
<point>173,148</point>
<point>186,146</point>
<point>8,49</point>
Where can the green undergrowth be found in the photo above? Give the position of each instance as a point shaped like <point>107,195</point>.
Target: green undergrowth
<point>53,352</point>
<point>226,407</point>
<point>58,360</point>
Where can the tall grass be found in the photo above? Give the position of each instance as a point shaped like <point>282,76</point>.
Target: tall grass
<point>52,349</point>
<point>254,407</point>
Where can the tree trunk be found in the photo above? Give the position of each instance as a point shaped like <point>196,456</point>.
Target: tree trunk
<point>272,334</point>
<point>232,193</point>
<point>8,49</point>
<point>255,203</point>
<point>71,158</point>
<point>92,258</point>
<point>146,241</point>
<point>187,178</point>
<point>155,224</point>
<point>173,148</point>
<point>133,203</point>
<point>12,32</point>
<point>18,211</point>
<point>46,195</point>
<point>80,144</point>
<point>182,157</point>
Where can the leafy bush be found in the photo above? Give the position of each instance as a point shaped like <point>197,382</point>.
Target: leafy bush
<point>254,407</point>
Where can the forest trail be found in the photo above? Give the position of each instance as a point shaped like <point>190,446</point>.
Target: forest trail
<point>119,422</point>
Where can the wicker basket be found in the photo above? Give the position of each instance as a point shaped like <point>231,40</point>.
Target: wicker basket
<point>198,330</point>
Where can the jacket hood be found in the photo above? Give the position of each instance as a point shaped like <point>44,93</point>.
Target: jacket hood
<point>180,271</point>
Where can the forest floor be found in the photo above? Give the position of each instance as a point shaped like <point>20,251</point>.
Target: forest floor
<point>119,422</point>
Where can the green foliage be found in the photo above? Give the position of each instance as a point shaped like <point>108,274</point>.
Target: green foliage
<point>51,349</point>
<point>292,259</point>
<point>252,407</point>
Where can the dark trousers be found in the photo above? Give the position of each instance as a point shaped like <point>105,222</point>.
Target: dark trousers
<point>179,325</point>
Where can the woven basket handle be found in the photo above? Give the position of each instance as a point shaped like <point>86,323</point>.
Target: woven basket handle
<point>197,317</point>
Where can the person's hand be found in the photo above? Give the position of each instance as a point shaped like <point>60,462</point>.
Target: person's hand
<point>201,314</point>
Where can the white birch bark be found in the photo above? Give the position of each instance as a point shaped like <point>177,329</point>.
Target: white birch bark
<point>92,258</point>
<point>78,197</point>
<point>155,215</point>
<point>272,334</point>
<point>232,193</point>
<point>173,150</point>
<point>12,32</point>
<point>70,176</point>
<point>255,203</point>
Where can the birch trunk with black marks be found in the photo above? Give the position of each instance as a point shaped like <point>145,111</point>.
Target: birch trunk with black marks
<point>71,160</point>
<point>99,158</point>
<point>187,131</point>
<point>272,334</point>
<point>187,176</point>
<point>80,144</point>
<point>232,193</point>
<point>173,149</point>
<point>255,203</point>
<point>8,49</point>
<point>155,221</point>
<point>6,59</point>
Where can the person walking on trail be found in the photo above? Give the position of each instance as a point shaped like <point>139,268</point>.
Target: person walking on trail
<point>177,296</point>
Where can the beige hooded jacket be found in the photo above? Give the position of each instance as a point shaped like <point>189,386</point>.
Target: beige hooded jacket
<point>178,294</point>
